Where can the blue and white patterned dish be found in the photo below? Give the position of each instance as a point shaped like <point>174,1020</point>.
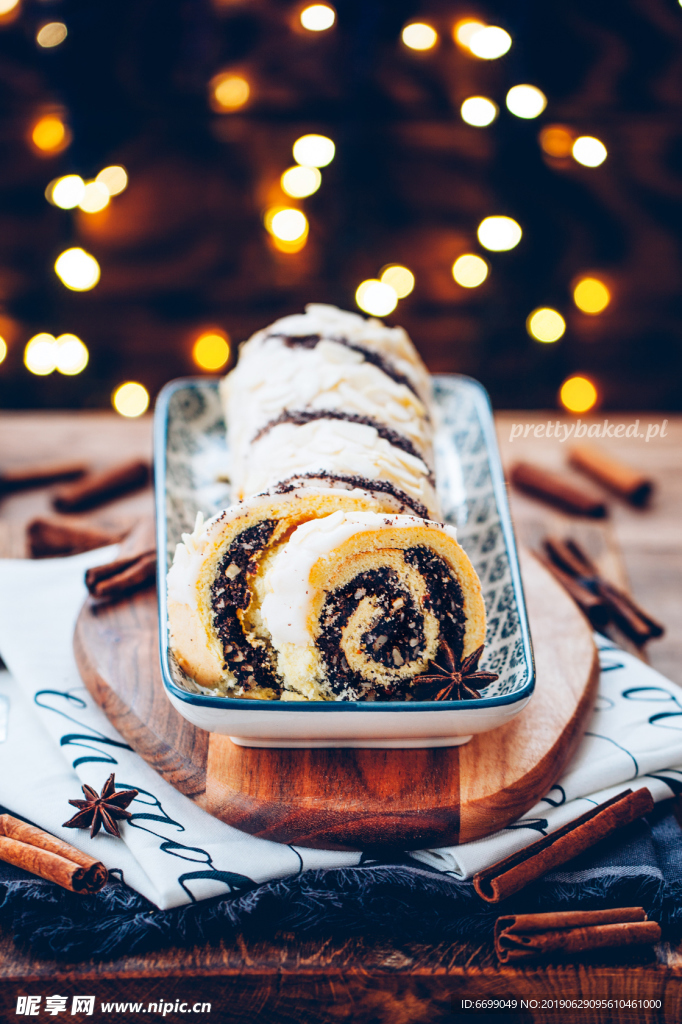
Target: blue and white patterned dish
<point>191,457</point>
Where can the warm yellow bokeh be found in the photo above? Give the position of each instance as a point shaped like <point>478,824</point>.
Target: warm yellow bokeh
<point>114,179</point>
<point>40,354</point>
<point>77,269</point>
<point>478,111</point>
<point>229,91</point>
<point>469,270</point>
<point>300,182</point>
<point>376,298</point>
<point>464,30</point>
<point>556,141</point>
<point>526,101</point>
<point>318,17</point>
<point>314,150</point>
<point>419,36</point>
<point>591,295</point>
<point>95,197</point>
<point>211,350</point>
<point>7,6</point>
<point>490,42</point>
<point>545,324</point>
<point>3,349</point>
<point>588,151</point>
<point>578,394</point>
<point>50,134</point>
<point>130,399</point>
<point>499,233</point>
<point>51,34</point>
<point>286,223</point>
<point>71,355</point>
<point>400,279</point>
<point>65,192</point>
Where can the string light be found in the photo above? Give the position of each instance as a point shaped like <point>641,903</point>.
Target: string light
<point>490,42</point>
<point>545,325</point>
<point>229,92</point>
<point>419,36</point>
<point>591,295</point>
<point>318,17</point>
<point>578,394</point>
<point>399,278</point>
<point>3,349</point>
<point>71,355</point>
<point>65,192</point>
<point>376,298</point>
<point>50,134</point>
<point>40,354</point>
<point>211,350</point>
<point>470,270</point>
<point>499,233</point>
<point>51,34</point>
<point>77,269</point>
<point>556,140</point>
<point>130,399</point>
<point>464,30</point>
<point>114,179</point>
<point>478,111</point>
<point>7,6</point>
<point>588,151</point>
<point>95,197</point>
<point>286,223</point>
<point>314,151</point>
<point>300,182</point>
<point>526,101</point>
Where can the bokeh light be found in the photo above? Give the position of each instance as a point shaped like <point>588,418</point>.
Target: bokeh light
<point>6,6</point>
<point>591,295</point>
<point>3,349</point>
<point>526,101</point>
<point>419,36</point>
<point>77,269</point>
<point>300,182</point>
<point>314,151</point>
<point>71,355</point>
<point>578,394</point>
<point>51,34</point>
<point>490,42</point>
<point>114,179</point>
<point>318,17</point>
<point>399,278</point>
<point>130,399</point>
<point>95,197</point>
<point>478,111</point>
<point>588,151</point>
<point>499,233</point>
<point>469,270</point>
<point>50,134</point>
<point>556,141</point>
<point>545,324</point>
<point>286,223</point>
<point>65,192</point>
<point>211,350</point>
<point>376,298</point>
<point>229,91</point>
<point>464,30</point>
<point>40,354</point>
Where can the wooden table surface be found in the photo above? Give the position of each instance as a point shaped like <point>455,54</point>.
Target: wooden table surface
<point>285,978</point>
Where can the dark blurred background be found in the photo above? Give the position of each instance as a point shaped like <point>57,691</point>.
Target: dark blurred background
<point>201,102</point>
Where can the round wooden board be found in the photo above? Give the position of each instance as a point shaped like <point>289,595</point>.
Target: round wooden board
<point>343,798</point>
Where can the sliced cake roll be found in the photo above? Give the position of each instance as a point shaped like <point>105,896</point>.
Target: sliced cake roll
<point>216,582</point>
<point>360,605</point>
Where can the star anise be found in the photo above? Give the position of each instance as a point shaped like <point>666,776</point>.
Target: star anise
<point>100,809</point>
<point>461,683</point>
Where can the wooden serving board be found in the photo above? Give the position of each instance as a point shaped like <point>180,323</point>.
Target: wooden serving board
<point>346,798</point>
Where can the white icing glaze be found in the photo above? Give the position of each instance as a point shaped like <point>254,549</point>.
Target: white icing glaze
<point>287,603</point>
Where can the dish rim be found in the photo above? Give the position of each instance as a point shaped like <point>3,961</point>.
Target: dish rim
<point>484,408</point>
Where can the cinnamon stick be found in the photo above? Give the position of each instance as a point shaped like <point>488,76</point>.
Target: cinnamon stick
<point>43,854</point>
<point>98,488</point>
<point>53,535</point>
<point>553,488</point>
<point>514,872</point>
<point>19,478</point>
<point>592,605</point>
<point>529,936</point>
<point>628,483</point>
<point>122,576</point>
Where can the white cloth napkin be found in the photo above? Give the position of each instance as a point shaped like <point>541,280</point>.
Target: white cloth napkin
<point>172,851</point>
